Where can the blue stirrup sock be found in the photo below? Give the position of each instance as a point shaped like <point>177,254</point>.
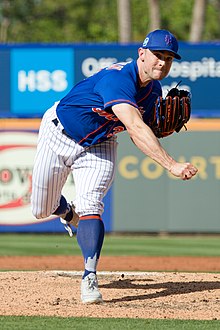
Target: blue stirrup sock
<point>90,236</point>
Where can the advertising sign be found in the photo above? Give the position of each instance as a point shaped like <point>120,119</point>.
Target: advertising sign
<point>198,72</point>
<point>33,77</point>
<point>17,152</point>
<point>39,77</point>
<point>4,82</point>
<point>93,58</point>
<point>147,198</point>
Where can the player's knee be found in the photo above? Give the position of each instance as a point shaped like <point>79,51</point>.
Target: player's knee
<point>39,214</point>
<point>91,208</point>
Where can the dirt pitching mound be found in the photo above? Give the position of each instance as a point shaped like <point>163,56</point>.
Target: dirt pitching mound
<point>126,294</point>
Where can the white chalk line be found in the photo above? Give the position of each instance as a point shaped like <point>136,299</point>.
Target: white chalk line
<point>107,273</point>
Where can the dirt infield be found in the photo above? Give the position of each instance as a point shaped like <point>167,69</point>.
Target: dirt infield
<point>132,287</point>
<point>132,263</point>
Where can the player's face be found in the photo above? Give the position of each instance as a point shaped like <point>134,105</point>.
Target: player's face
<point>156,64</point>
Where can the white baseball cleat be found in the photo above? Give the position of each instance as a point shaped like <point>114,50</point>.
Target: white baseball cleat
<point>89,290</point>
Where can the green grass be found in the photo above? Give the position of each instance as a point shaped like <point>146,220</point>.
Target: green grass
<point>62,244</point>
<point>162,246</point>
<point>58,323</point>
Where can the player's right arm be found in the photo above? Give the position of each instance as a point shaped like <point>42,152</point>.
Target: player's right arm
<point>144,138</point>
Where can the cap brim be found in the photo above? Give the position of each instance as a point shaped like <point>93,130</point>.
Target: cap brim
<point>177,56</point>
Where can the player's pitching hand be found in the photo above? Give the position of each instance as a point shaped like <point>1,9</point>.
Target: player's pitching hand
<point>184,171</point>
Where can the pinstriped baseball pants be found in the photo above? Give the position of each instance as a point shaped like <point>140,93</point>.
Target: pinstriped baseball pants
<point>93,170</point>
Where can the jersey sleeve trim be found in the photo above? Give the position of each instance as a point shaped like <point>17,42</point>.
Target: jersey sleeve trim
<point>110,103</point>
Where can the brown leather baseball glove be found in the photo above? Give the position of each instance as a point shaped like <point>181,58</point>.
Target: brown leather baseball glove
<point>171,113</point>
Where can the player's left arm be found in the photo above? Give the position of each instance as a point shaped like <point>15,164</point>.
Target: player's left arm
<point>144,138</point>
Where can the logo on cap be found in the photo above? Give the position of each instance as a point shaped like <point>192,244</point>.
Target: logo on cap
<point>145,42</point>
<point>162,40</point>
<point>168,40</point>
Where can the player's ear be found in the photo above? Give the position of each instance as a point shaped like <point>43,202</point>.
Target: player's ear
<point>141,53</point>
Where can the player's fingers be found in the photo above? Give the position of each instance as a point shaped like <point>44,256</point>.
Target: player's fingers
<point>184,171</point>
<point>188,174</point>
<point>187,177</point>
<point>191,168</point>
<point>194,169</point>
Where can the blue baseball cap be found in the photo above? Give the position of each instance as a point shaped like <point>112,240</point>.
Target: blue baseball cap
<point>162,40</point>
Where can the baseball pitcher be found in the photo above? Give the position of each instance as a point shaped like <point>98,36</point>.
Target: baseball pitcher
<point>78,134</point>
